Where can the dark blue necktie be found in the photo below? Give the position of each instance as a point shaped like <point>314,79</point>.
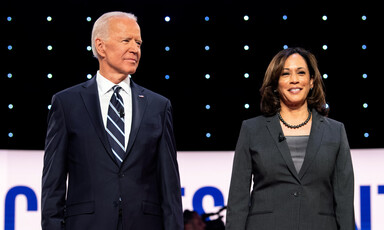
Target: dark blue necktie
<point>115,125</point>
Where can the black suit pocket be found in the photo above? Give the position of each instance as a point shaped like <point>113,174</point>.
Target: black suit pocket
<point>331,214</point>
<point>151,208</point>
<point>260,212</point>
<point>80,208</point>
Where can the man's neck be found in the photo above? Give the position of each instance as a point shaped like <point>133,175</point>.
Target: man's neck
<point>116,78</point>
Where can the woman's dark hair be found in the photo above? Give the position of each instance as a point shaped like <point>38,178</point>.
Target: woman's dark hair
<point>270,98</point>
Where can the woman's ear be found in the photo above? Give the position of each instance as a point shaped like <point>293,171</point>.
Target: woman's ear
<point>311,82</point>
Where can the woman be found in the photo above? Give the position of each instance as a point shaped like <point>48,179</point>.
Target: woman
<point>298,158</point>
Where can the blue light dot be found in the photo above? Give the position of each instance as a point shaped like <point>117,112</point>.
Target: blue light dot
<point>325,47</point>
<point>206,18</point>
<point>207,107</point>
<point>285,17</point>
<point>89,19</point>
<point>167,77</point>
<point>285,47</point>
<point>246,75</point>
<point>10,135</point>
<point>206,48</point>
<point>167,48</point>
<point>324,17</point>
<point>49,107</point>
<point>10,106</point>
<point>365,105</point>
<point>325,76</point>
<point>246,106</point>
<point>246,47</point>
<point>364,47</point>
<point>246,17</point>
<point>365,76</point>
<point>326,106</point>
<point>363,17</point>
<point>9,19</point>
<point>89,76</point>
<point>10,47</point>
<point>89,48</point>
<point>208,135</point>
<point>49,76</point>
<point>49,18</point>
<point>207,76</point>
<point>167,19</point>
<point>9,75</point>
<point>366,135</point>
<point>49,47</point>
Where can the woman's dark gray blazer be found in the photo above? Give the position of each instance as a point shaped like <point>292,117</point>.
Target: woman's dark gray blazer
<point>319,197</point>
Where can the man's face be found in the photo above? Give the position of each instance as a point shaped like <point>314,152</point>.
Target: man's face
<point>197,222</point>
<point>121,50</point>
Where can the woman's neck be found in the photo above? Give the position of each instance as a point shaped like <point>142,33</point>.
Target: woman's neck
<point>295,116</point>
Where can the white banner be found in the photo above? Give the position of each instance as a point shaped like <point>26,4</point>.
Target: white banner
<point>205,178</point>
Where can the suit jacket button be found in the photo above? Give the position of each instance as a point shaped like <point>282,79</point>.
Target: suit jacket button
<point>121,175</point>
<point>296,194</point>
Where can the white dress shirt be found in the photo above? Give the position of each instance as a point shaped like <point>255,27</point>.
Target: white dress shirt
<point>104,87</point>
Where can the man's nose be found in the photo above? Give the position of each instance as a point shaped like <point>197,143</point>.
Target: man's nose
<point>134,47</point>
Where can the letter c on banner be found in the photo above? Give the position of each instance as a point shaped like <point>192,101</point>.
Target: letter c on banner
<point>10,200</point>
<point>204,191</point>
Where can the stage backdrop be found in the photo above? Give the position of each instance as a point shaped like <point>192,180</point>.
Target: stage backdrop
<point>205,178</point>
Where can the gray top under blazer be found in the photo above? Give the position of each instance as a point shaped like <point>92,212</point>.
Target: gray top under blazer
<point>319,197</point>
<point>298,147</point>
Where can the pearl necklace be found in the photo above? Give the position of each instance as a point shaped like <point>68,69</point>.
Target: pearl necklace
<point>295,126</point>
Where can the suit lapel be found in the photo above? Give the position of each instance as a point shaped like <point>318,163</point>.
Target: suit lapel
<point>314,142</point>
<point>90,97</point>
<point>139,104</point>
<point>275,130</point>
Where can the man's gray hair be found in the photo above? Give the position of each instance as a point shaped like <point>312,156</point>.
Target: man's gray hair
<point>101,27</point>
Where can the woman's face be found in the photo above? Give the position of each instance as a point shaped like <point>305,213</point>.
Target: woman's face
<point>294,82</point>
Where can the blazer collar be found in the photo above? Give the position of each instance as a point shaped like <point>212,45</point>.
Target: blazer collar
<point>314,142</point>
<point>277,135</point>
<point>139,104</point>
<point>91,101</point>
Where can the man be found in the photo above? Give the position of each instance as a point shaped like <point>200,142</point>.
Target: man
<point>193,221</point>
<point>114,141</point>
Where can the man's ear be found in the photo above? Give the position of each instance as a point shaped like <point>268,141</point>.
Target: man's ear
<point>100,47</point>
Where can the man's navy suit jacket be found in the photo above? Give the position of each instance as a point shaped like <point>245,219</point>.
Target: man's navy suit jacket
<point>146,188</point>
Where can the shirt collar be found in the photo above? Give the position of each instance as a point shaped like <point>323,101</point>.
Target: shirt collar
<point>106,85</point>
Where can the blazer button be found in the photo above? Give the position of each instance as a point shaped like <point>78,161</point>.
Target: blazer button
<point>296,194</point>
<point>121,175</point>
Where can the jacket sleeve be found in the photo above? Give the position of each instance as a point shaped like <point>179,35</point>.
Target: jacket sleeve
<point>239,191</point>
<point>169,175</point>
<point>55,170</point>
<point>343,185</point>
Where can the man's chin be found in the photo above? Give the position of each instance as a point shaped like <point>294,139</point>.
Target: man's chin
<point>128,72</point>
<point>131,70</point>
